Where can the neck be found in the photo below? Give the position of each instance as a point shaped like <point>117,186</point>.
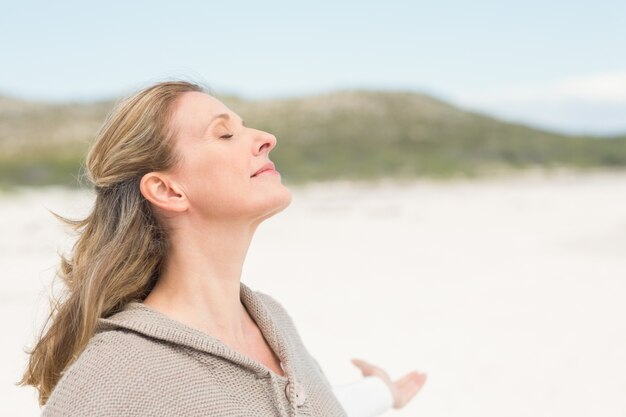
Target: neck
<point>199,283</point>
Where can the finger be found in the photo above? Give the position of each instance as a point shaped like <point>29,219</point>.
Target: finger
<point>361,362</point>
<point>406,394</point>
<point>412,379</point>
<point>408,388</point>
<point>410,376</point>
<point>365,367</point>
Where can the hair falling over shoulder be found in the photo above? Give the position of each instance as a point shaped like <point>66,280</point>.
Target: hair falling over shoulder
<point>121,245</point>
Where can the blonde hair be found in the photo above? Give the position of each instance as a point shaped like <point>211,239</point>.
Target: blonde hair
<point>121,245</point>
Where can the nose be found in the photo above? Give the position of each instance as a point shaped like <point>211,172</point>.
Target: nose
<point>265,140</point>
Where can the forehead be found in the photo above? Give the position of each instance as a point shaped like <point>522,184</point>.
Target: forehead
<point>193,110</point>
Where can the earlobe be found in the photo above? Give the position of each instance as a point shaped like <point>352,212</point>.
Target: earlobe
<point>162,193</point>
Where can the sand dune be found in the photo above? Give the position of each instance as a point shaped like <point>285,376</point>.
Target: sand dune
<point>509,293</point>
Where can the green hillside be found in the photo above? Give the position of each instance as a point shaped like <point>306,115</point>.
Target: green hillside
<point>339,135</point>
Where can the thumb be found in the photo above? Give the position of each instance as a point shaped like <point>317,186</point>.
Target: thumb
<point>365,368</point>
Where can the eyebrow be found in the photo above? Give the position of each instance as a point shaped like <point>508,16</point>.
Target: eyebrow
<point>220,116</point>
<point>223,116</point>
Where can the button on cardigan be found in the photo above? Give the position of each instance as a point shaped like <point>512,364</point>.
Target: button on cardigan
<point>140,362</point>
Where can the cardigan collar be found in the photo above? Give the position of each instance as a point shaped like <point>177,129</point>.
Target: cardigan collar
<point>141,318</point>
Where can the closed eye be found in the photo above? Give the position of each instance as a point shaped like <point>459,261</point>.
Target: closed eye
<point>226,136</point>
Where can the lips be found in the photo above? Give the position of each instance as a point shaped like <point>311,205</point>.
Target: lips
<point>268,166</point>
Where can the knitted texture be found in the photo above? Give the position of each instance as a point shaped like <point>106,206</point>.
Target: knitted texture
<point>140,362</point>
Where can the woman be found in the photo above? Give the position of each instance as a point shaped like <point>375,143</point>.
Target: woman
<point>156,320</point>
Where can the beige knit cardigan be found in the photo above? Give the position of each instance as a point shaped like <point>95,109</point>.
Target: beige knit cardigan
<point>140,362</point>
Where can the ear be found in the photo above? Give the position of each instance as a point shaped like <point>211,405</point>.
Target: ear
<point>164,193</point>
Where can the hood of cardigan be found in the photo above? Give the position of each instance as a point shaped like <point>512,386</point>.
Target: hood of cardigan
<point>268,314</point>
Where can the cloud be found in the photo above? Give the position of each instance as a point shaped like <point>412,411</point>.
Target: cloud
<point>593,104</point>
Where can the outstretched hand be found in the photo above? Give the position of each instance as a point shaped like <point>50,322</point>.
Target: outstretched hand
<point>403,389</point>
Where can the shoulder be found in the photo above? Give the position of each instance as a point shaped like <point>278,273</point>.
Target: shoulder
<point>268,300</point>
<point>110,377</point>
<point>281,317</point>
<point>274,306</point>
<point>285,322</point>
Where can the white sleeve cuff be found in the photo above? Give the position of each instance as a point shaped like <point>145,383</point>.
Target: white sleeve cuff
<point>367,397</point>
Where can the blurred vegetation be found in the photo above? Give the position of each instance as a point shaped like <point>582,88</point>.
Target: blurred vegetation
<point>349,134</point>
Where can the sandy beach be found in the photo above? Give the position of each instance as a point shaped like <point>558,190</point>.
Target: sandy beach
<point>508,292</point>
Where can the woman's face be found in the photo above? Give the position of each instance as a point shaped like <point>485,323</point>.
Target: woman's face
<point>219,157</point>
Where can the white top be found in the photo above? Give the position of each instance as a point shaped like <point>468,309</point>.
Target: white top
<point>368,397</point>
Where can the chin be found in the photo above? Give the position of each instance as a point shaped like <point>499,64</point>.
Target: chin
<point>278,204</point>
<point>285,201</point>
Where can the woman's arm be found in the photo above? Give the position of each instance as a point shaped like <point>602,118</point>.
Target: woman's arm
<point>376,392</point>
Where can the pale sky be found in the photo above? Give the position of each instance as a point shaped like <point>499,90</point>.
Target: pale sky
<point>559,64</point>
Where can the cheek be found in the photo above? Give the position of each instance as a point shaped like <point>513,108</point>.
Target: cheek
<point>220,181</point>
<point>202,165</point>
